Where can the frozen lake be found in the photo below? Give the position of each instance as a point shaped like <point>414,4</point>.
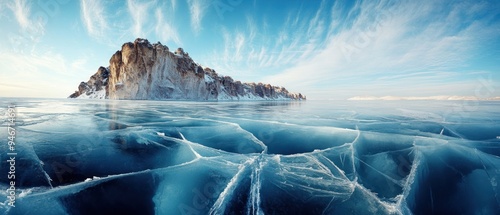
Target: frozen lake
<point>310,157</point>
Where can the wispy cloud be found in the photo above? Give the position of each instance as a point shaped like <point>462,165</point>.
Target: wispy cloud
<point>382,42</point>
<point>257,50</point>
<point>93,17</point>
<point>173,3</point>
<point>22,13</point>
<point>197,11</point>
<point>165,30</point>
<point>139,11</point>
<point>36,65</point>
<point>39,73</point>
<point>2,7</point>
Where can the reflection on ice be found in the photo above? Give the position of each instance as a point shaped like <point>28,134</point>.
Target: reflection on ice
<point>152,157</point>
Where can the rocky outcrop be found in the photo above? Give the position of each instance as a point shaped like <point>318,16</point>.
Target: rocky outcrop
<point>95,87</point>
<point>141,70</point>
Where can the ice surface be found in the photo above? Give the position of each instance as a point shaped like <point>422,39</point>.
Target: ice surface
<point>168,157</point>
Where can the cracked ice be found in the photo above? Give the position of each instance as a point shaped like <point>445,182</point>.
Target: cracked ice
<point>168,157</point>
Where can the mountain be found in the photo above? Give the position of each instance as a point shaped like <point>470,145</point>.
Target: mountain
<point>141,70</point>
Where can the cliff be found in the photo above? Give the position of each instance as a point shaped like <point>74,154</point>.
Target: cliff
<point>141,70</point>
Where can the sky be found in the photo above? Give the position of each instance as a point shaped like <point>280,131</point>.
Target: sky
<point>323,49</point>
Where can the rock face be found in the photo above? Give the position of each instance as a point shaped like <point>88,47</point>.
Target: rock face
<point>141,70</point>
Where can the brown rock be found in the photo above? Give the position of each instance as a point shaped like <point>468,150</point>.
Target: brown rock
<point>141,70</point>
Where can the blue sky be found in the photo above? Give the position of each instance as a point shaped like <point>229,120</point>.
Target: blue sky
<point>323,49</point>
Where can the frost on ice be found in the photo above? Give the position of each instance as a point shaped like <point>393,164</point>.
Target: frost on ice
<point>150,157</point>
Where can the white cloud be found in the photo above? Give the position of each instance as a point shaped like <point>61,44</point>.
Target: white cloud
<point>251,51</point>
<point>42,75</point>
<point>144,19</point>
<point>140,14</point>
<point>239,41</point>
<point>389,43</point>
<point>41,64</point>
<point>197,11</point>
<point>93,17</point>
<point>173,4</point>
<point>252,29</point>
<point>22,13</point>
<point>165,30</point>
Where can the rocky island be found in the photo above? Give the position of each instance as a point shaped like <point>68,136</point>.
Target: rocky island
<point>141,70</point>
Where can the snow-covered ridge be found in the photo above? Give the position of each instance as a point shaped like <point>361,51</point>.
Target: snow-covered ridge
<point>141,70</point>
